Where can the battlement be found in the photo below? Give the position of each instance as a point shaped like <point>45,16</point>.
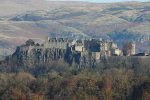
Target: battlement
<point>61,43</point>
<point>105,47</point>
<point>57,40</point>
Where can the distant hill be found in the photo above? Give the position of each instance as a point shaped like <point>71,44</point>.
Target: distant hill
<point>36,19</point>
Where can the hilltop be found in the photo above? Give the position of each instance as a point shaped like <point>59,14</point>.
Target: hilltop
<point>37,19</point>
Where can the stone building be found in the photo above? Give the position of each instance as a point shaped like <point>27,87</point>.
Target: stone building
<point>82,52</point>
<point>60,43</point>
<point>109,48</point>
<point>105,47</point>
<point>78,53</point>
<point>79,46</point>
<point>133,51</point>
<point>129,49</point>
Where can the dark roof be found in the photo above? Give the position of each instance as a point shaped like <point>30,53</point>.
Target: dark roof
<point>142,54</point>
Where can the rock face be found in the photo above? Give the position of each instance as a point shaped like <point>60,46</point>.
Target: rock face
<point>79,53</point>
<point>31,56</point>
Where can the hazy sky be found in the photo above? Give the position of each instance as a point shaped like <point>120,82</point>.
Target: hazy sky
<point>102,0</point>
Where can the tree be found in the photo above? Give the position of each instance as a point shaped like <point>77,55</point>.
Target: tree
<point>30,42</point>
<point>107,87</point>
<point>37,44</point>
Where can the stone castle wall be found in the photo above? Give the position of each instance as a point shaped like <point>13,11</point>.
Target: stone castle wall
<point>60,43</point>
<point>133,62</point>
<point>81,53</point>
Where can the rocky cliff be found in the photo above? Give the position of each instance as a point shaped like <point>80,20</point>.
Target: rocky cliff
<point>120,22</point>
<point>30,56</point>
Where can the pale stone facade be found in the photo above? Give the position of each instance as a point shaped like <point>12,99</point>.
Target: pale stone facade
<point>61,43</point>
<point>97,47</point>
<point>79,46</point>
<point>117,52</point>
<point>133,51</point>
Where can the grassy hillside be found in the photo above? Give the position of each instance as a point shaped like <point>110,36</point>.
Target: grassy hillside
<point>119,21</point>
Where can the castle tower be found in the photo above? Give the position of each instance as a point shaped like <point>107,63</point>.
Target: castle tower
<point>47,38</point>
<point>46,43</point>
<point>129,49</point>
<point>133,48</point>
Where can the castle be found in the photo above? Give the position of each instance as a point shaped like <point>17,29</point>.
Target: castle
<point>87,52</point>
<point>98,46</point>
